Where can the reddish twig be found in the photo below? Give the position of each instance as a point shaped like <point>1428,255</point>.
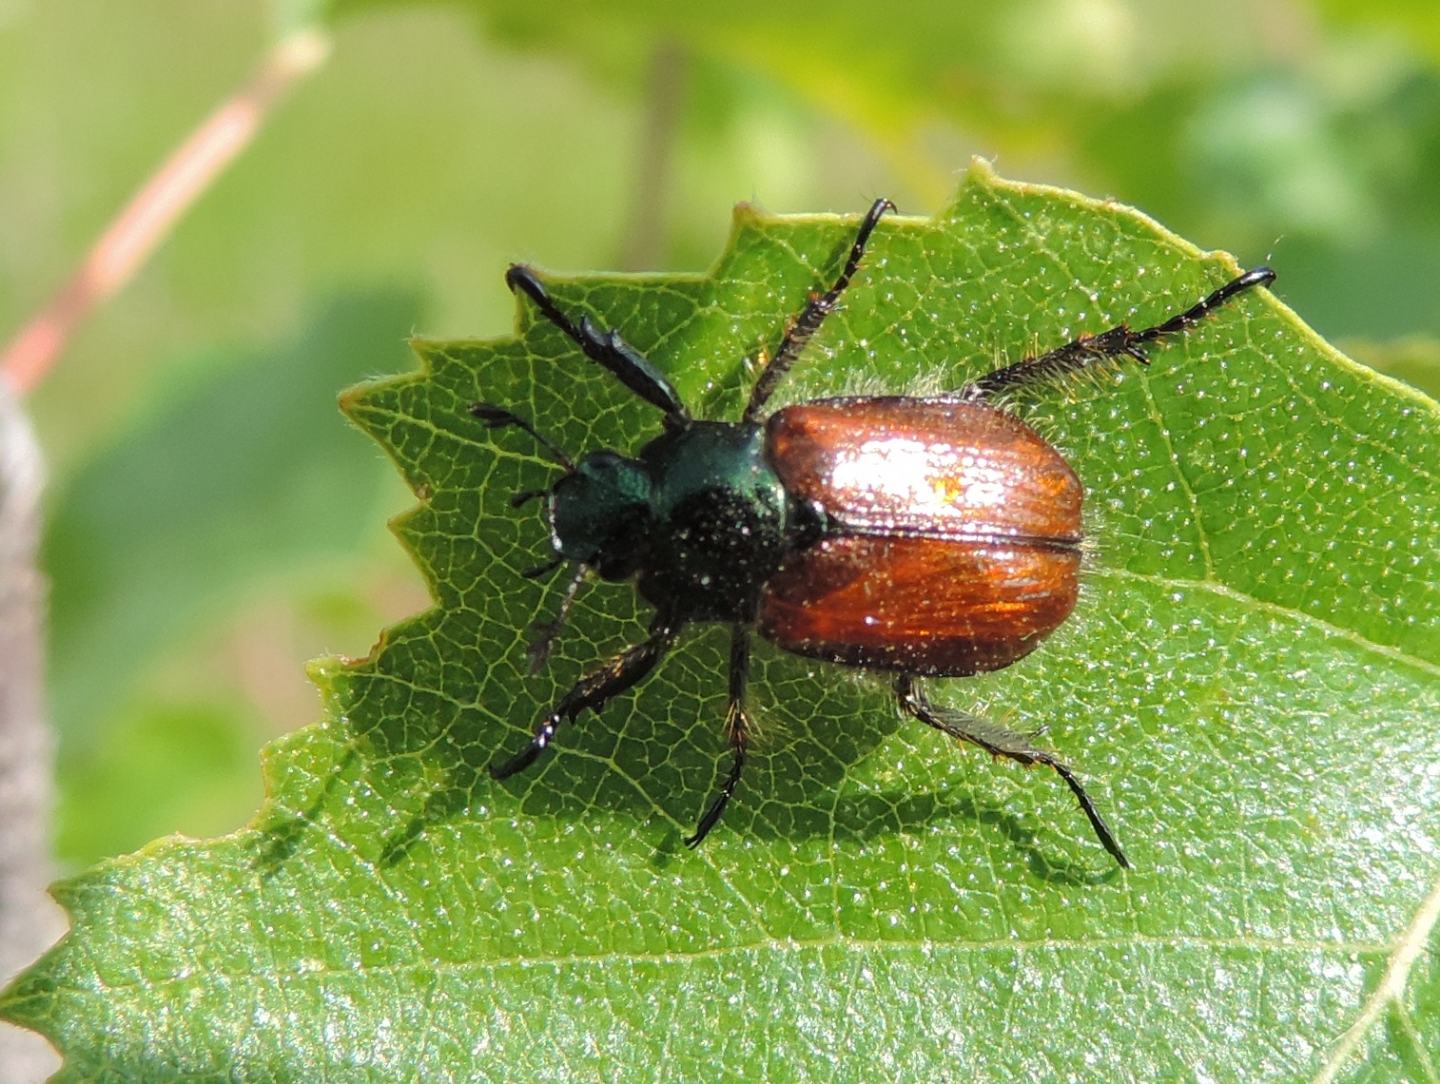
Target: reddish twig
<point>154,209</point>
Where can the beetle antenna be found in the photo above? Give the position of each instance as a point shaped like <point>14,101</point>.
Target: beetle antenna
<point>496,418</point>
<point>547,631</point>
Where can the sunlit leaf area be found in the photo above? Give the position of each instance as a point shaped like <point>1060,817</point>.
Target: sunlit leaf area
<point>278,846</point>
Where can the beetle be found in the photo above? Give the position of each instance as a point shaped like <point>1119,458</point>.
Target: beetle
<point>918,537</point>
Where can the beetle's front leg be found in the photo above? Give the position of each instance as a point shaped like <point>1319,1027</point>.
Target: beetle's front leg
<point>595,690</point>
<point>737,725</point>
<point>1000,742</point>
<point>602,346</point>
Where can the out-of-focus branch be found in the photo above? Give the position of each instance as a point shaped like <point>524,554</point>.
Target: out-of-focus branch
<point>28,919</point>
<point>664,92</point>
<point>153,210</point>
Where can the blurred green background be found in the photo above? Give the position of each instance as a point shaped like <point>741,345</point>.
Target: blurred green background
<point>212,523</point>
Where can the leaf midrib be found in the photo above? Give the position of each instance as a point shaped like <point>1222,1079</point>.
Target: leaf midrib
<point>789,945</point>
<point>1244,598</point>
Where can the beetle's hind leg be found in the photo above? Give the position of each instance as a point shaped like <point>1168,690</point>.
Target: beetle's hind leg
<point>594,691</point>
<point>737,725</point>
<point>1119,341</point>
<point>1000,742</point>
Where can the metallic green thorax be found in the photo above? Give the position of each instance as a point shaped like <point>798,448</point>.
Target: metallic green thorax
<point>700,515</point>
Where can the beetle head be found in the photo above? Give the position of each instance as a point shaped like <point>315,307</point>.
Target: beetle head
<point>600,514</point>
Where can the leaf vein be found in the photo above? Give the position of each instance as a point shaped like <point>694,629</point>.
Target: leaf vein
<point>1390,988</point>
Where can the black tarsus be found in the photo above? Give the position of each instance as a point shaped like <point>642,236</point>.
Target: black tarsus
<point>1000,742</point>
<point>1118,341</point>
<point>737,724</point>
<point>1259,276</point>
<point>498,417</point>
<point>606,348</point>
<point>594,691</point>
<point>811,317</point>
<point>542,570</point>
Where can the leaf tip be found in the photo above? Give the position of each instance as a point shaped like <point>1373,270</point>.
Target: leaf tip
<point>746,215</point>
<point>324,671</point>
<point>350,400</point>
<point>981,171</point>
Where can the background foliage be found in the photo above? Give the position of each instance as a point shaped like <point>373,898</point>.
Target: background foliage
<point>444,140</point>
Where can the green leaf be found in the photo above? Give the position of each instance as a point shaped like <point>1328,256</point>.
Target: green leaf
<point>1251,688</point>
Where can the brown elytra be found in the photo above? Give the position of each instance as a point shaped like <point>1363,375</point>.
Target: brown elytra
<point>953,535</point>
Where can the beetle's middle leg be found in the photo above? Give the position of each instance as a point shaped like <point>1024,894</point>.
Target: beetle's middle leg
<point>595,690</point>
<point>812,316</point>
<point>1119,341</point>
<point>1000,742</point>
<point>737,724</point>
